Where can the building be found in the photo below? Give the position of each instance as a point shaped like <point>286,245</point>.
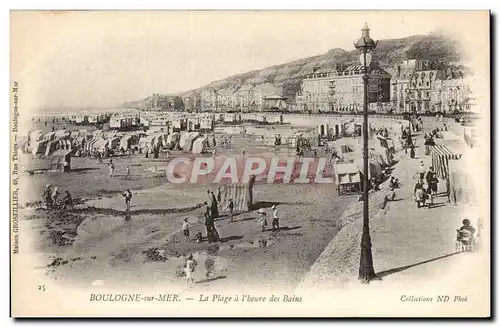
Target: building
<point>274,102</point>
<point>316,91</point>
<point>451,95</point>
<point>124,121</point>
<point>327,90</point>
<point>266,96</point>
<point>347,88</point>
<point>424,87</point>
<point>208,99</point>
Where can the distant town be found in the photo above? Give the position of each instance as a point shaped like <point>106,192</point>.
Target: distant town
<point>416,86</point>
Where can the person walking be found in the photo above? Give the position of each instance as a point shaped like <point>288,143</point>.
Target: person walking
<point>215,205</point>
<point>185,230</point>
<point>47,196</point>
<point>230,208</point>
<point>419,194</point>
<point>127,171</point>
<point>262,219</point>
<point>432,182</point>
<point>219,194</point>
<point>128,197</point>
<point>276,220</point>
<point>208,222</point>
<point>189,270</point>
<point>422,170</point>
<point>111,167</point>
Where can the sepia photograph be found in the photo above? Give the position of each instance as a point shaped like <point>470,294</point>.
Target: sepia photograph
<point>250,163</point>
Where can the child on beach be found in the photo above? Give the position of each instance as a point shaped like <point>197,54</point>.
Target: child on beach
<point>111,167</point>
<point>262,219</point>
<point>189,270</point>
<point>185,229</point>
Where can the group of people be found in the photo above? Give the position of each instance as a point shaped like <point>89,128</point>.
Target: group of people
<point>263,219</point>
<point>428,142</point>
<point>52,199</point>
<point>426,187</point>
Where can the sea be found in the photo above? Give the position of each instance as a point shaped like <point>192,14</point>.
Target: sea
<point>62,111</point>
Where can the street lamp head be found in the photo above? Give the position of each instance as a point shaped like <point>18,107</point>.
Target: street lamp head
<point>368,59</point>
<point>365,42</point>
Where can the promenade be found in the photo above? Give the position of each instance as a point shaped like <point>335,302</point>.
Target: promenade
<point>408,243</point>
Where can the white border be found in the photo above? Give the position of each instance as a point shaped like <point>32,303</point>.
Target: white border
<point>190,4</point>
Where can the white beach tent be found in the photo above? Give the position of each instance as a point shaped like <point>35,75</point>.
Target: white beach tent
<point>200,145</point>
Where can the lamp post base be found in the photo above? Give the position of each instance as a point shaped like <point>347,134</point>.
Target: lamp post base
<point>366,271</point>
<point>368,275</point>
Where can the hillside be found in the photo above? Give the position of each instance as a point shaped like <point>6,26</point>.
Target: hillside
<point>435,46</point>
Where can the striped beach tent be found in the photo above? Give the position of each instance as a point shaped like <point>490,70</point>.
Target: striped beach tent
<point>239,194</point>
<point>440,156</point>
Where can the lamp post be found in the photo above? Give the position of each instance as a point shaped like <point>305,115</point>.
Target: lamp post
<point>407,100</point>
<point>366,272</point>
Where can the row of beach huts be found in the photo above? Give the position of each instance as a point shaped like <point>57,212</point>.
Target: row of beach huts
<point>112,142</point>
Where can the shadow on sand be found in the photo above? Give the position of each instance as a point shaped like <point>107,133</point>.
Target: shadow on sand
<point>286,228</point>
<point>400,269</point>
<point>80,170</point>
<point>210,279</point>
<point>230,238</point>
<point>269,204</point>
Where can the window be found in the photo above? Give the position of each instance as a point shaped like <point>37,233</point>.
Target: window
<point>427,83</point>
<point>427,94</point>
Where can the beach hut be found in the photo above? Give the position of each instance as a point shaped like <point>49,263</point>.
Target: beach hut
<point>441,155</point>
<point>188,145</point>
<point>61,133</point>
<point>374,167</point>
<point>146,143</point>
<point>172,140</point>
<point>39,147</point>
<point>114,142</point>
<point>34,136</point>
<point>348,178</point>
<point>52,146</point>
<point>99,145</point>
<point>471,136</point>
<point>182,140</point>
<point>200,145</point>
<point>126,142</point>
<point>462,184</point>
<point>61,159</point>
<point>49,136</point>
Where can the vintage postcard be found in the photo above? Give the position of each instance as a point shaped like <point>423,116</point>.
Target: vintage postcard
<point>250,163</point>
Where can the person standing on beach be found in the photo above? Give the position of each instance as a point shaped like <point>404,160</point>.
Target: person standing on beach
<point>219,195</point>
<point>127,171</point>
<point>189,270</point>
<point>128,197</point>
<point>230,208</point>
<point>185,229</point>
<point>55,196</point>
<point>422,170</point>
<point>111,167</point>
<point>47,196</point>
<point>276,220</point>
<point>262,219</point>
<point>215,205</point>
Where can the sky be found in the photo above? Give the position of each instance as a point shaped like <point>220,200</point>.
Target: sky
<point>104,58</point>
